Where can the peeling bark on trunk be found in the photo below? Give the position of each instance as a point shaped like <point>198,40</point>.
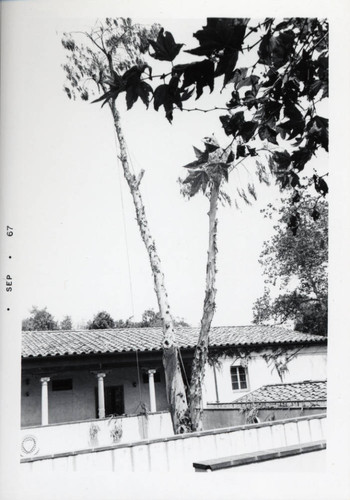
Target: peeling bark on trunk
<point>201,352</point>
<point>175,388</point>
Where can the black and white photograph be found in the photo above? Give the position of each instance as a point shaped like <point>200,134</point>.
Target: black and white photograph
<point>170,253</point>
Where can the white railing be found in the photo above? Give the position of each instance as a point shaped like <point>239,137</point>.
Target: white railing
<point>178,453</point>
<point>75,436</point>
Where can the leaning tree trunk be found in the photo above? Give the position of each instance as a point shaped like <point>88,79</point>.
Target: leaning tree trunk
<point>201,351</point>
<point>173,377</point>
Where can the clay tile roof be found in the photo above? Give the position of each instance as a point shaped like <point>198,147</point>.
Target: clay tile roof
<point>72,342</point>
<point>313,392</point>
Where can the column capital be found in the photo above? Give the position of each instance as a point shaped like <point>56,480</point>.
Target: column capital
<point>45,380</point>
<point>100,374</point>
<point>151,372</point>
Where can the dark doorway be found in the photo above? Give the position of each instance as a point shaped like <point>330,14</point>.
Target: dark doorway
<point>114,400</point>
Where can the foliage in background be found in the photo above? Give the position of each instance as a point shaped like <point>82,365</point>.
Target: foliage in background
<point>101,320</point>
<point>150,318</point>
<point>66,323</point>
<point>39,319</point>
<point>296,264</point>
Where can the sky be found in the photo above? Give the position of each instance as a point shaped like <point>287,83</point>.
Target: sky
<point>78,246</point>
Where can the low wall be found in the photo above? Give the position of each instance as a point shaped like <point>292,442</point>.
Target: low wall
<point>178,453</point>
<point>217,418</point>
<point>62,438</point>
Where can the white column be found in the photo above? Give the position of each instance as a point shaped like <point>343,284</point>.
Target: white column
<point>44,401</point>
<point>101,395</point>
<point>152,391</point>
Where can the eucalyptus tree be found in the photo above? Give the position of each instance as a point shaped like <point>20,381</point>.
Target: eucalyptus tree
<point>206,175</point>
<point>271,116</point>
<point>99,57</point>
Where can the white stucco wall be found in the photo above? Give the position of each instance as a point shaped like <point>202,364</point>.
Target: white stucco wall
<point>62,438</point>
<point>176,454</point>
<point>79,403</point>
<point>310,363</point>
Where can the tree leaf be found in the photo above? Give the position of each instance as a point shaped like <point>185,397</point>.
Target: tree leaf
<point>272,109</point>
<point>300,158</point>
<point>226,65</point>
<point>199,154</point>
<point>165,48</point>
<point>321,185</point>
<point>318,131</point>
<point>138,89</point>
<point>296,197</point>
<point>199,73</point>
<point>294,179</point>
<point>232,124</point>
<point>250,99</point>
<point>292,112</point>
<point>314,89</point>
<point>117,84</point>
<point>167,95</point>
<point>238,75</point>
<point>244,82</point>
<point>275,51</point>
<point>266,132</point>
<point>198,181</point>
<point>265,49</point>
<point>219,34</point>
<point>247,130</point>
<point>282,159</point>
<point>231,157</point>
<point>235,100</point>
<point>241,151</point>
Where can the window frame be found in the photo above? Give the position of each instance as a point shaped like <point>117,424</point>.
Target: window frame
<point>62,385</point>
<point>239,378</point>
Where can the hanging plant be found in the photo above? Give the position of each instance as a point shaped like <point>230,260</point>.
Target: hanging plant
<point>116,431</point>
<point>93,431</point>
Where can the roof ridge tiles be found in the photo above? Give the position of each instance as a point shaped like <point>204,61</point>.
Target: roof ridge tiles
<point>294,383</point>
<point>47,343</point>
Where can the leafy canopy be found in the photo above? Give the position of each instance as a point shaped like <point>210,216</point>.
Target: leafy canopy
<point>272,106</point>
<point>150,318</point>
<point>66,323</point>
<point>295,263</point>
<point>101,320</point>
<point>40,320</point>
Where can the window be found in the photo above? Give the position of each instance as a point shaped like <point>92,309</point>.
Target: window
<point>62,385</point>
<point>239,378</point>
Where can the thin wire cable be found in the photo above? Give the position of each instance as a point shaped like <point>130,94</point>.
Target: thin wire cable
<point>125,232</point>
<point>183,368</point>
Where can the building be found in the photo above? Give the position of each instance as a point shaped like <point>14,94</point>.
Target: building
<point>269,403</point>
<point>73,376</point>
